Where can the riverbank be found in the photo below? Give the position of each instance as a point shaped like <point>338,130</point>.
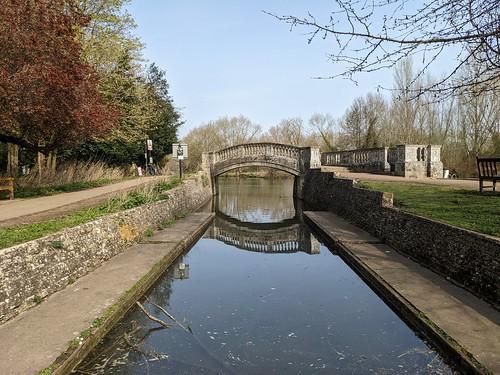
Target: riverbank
<point>33,270</point>
<point>468,258</point>
<point>468,209</point>
<point>460,324</point>
<point>148,193</point>
<point>73,320</point>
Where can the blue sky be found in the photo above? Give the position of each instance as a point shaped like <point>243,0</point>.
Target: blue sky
<point>228,58</point>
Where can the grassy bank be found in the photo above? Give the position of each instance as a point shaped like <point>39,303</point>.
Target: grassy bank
<point>13,236</point>
<point>463,208</point>
<point>71,176</point>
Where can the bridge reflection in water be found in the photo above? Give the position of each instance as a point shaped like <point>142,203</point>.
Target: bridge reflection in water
<point>287,236</point>
<point>262,216</point>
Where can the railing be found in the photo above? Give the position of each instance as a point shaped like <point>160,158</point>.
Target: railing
<point>257,149</point>
<point>355,157</point>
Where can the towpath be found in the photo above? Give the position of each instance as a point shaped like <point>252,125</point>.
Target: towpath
<point>454,183</point>
<point>32,210</point>
<point>34,339</point>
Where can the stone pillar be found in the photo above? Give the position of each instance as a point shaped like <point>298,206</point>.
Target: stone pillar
<point>207,162</point>
<point>315,245</point>
<point>298,186</point>
<point>385,160</point>
<point>434,164</point>
<point>315,159</point>
<point>411,161</point>
<point>399,161</point>
<point>310,158</point>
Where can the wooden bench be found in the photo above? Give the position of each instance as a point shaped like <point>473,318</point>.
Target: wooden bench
<point>488,169</point>
<point>7,184</point>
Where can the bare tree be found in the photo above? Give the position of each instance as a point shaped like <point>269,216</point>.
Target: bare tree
<point>479,116</point>
<point>377,34</point>
<point>236,130</point>
<point>290,131</point>
<point>353,125</point>
<point>364,123</point>
<point>324,125</point>
<point>404,111</point>
<point>221,133</point>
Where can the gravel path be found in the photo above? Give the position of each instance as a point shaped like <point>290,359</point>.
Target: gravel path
<point>455,183</point>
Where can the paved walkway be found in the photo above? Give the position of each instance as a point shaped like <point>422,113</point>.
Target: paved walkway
<point>29,210</point>
<point>455,183</point>
<point>33,340</point>
<point>471,322</point>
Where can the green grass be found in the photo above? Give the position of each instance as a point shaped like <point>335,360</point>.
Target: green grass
<point>464,208</point>
<point>149,232</point>
<point>46,371</point>
<point>13,236</point>
<point>32,192</point>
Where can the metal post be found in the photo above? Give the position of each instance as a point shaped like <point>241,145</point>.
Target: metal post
<point>180,169</point>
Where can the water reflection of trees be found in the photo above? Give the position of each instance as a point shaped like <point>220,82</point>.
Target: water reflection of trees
<point>256,199</point>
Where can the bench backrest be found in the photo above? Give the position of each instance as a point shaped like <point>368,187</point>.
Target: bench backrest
<point>487,167</point>
<point>6,181</point>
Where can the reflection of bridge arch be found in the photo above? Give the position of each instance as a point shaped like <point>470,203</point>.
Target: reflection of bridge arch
<point>276,238</point>
<point>287,158</point>
<point>283,224</point>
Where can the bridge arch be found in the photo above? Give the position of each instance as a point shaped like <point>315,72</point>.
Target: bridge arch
<point>288,236</point>
<point>287,158</point>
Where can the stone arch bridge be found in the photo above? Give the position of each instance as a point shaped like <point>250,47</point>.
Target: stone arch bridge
<point>294,160</point>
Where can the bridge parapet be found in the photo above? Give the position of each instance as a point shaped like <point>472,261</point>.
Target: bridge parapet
<point>291,159</point>
<point>257,149</point>
<point>369,159</point>
<point>401,160</point>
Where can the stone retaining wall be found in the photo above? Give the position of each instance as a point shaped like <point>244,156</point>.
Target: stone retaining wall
<point>36,269</point>
<point>468,258</point>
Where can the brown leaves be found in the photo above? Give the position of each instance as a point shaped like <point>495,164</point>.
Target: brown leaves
<point>48,93</point>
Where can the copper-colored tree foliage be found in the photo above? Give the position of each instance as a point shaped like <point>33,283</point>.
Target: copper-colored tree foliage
<point>48,93</point>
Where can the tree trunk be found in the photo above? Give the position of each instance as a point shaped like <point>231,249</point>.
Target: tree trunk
<point>12,160</point>
<point>52,161</point>
<point>40,164</point>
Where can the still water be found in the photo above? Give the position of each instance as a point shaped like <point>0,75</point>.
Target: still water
<point>259,294</point>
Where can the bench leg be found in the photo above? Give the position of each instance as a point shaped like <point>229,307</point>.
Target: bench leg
<point>480,186</point>
<point>494,185</point>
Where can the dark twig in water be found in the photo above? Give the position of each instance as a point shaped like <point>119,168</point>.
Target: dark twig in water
<point>188,329</point>
<point>129,343</point>
<point>153,318</point>
<point>166,325</point>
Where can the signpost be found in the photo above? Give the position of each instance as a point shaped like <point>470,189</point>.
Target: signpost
<point>180,152</point>
<point>147,154</point>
